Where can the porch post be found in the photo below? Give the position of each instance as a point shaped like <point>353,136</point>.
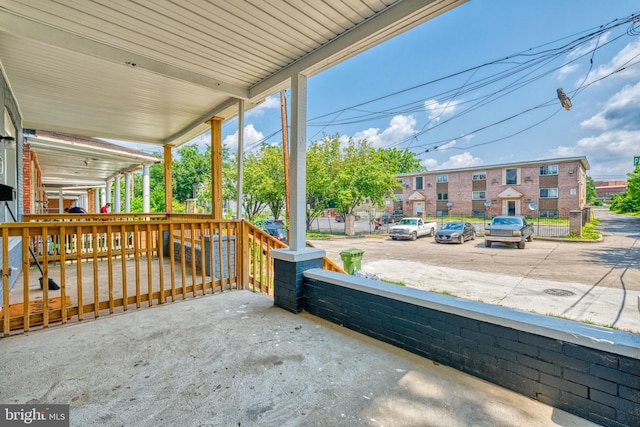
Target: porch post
<point>116,194</point>
<point>298,162</point>
<point>145,189</point>
<point>216,166</point>
<point>96,199</point>
<point>168,181</point>
<point>290,263</point>
<point>240,183</point>
<point>127,192</point>
<point>60,201</point>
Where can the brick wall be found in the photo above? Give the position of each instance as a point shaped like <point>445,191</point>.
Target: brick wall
<point>589,371</point>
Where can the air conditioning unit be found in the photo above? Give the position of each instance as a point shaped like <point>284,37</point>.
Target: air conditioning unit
<point>528,200</point>
<point>528,178</point>
<point>494,180</point>
<point>429,202</point>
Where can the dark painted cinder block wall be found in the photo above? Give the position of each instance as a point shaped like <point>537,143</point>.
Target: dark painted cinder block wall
<point>533,355</point>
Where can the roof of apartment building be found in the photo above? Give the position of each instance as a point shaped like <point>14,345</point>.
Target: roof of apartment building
<point>582,159</point>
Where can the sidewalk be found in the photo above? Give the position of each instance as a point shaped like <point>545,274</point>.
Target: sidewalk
<point>604,306</point>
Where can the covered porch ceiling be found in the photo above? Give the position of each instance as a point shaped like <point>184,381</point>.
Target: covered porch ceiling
<point>154,72</point>
<point>76,163</point>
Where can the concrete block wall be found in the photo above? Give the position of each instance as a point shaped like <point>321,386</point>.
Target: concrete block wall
<point>178,248</point>
<point>589,371</point>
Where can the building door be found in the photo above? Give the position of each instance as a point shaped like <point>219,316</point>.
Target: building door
<point>418,209</point>
<point>510,207</point>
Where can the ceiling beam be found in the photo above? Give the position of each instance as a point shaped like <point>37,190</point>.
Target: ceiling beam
<point>33,30</point>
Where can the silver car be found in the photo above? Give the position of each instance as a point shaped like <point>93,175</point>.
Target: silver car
<point>455,232</point>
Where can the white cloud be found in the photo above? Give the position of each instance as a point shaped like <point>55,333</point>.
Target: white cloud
<point>270,103</point>
<point>615,137</point>
<point>400,128</point>
<point>610,154</point>
<point>587,48</point>
<point>251,137</point>
<point>436,110</point>
<point>567,69</point>
<point>621,111</point>
<point>622,59</point>
<point>448,145</point>
<point>463,160</point>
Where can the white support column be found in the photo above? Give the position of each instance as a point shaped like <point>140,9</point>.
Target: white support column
<point>146,205</point>
<point>107,193</point>
<point>239,208</point>
<point>96,199</point>
<point>127,192</point>
<point>298,162</point>
<point>116,194</point>
<point>60,201</point>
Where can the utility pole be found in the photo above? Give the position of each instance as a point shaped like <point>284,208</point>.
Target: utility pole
<point>285,154</point>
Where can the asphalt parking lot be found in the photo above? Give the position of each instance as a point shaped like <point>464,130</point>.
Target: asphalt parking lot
<point>591,281</point>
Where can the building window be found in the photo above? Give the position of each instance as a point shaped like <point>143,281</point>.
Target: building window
<point>548,193</point>
<point>549,170</point>
<point>511,176</point>
<point>442,178</point>
<point>478,214</point>
<point>548,214</point>
<point>479,195</point>
<point>442,213</point>
<point>479,176</point>
<point>419,183</point>
<point>443,196</point>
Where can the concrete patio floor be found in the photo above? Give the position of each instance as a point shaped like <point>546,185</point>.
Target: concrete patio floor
<point>233,359</point>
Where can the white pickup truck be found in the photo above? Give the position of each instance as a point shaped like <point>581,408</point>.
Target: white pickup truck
<point>412,228</point>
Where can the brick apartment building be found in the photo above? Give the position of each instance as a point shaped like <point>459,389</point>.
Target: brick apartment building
<point>554,186</point>
<point>606,189</point>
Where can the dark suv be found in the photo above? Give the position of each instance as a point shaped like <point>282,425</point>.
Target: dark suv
<point>391,218</point>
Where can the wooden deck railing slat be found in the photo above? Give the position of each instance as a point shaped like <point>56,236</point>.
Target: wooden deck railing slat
<point>199,253</point>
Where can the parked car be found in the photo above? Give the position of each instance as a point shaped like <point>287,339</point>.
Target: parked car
<point>339,218</point>
<point>412,228</point>
<point>390,218</point>
<point>456,232</point>
<point>508,229</point>
<point>277,233</point>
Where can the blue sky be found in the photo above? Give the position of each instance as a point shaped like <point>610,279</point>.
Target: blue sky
<point>412,92</point>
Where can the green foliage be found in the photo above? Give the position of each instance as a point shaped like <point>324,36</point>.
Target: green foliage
<point>191,171</point>
<point>591,190</point>
<point>628,202</point>
<point>362,173</point>
<point>322,158</point>
<point>400,161</point>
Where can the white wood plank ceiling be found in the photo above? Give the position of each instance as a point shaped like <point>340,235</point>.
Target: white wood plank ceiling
<point>154,70</point>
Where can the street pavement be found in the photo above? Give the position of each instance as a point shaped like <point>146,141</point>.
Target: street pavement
<point>594,282</point>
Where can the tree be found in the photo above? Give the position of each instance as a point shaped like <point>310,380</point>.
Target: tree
<point>629,201</point>
<point>322,159</point>
<point>191,171</point>
<point>591,190</point>
<point>361,174</point>
<point>400,161</point>
<point>263,182</point>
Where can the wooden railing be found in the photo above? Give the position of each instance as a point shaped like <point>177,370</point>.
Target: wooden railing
<point>111,263</point>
